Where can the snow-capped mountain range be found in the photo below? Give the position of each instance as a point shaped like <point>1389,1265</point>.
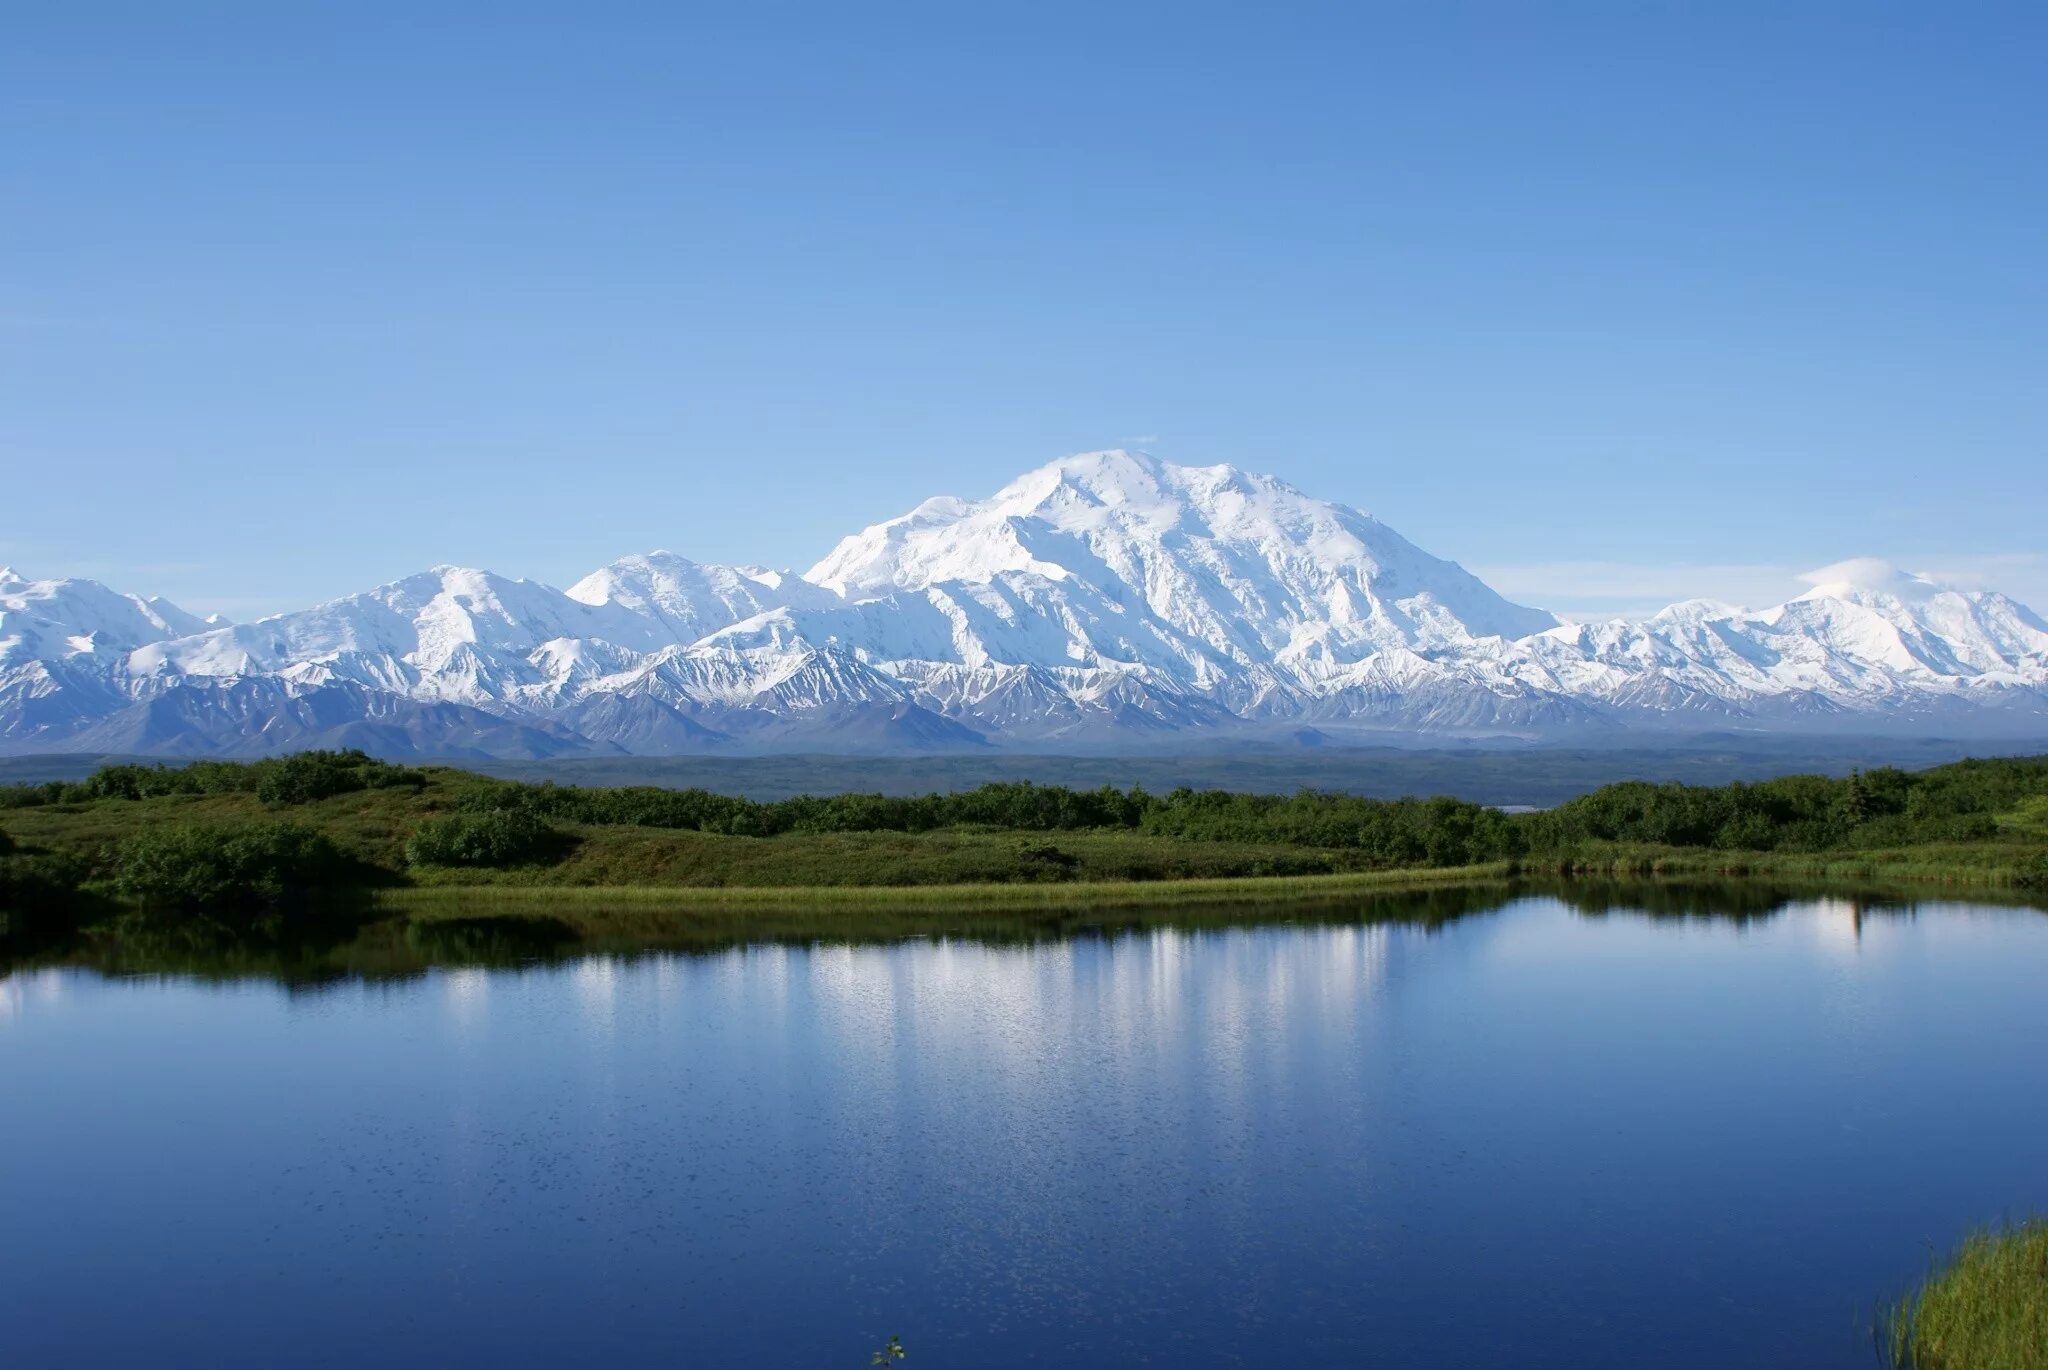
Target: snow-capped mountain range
<point>1106,599</point>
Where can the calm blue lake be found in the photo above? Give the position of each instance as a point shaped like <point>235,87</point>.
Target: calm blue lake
<point>1529,1136</point>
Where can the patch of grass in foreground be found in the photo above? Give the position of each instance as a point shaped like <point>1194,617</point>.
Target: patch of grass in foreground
<point>466,900</point>
<point>1987,1310</point>
<point>621,856</point>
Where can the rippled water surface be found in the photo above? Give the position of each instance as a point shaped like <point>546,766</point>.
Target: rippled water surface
<point>1530,1136</point>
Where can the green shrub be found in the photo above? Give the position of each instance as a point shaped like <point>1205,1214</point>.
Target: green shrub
<point>304,777</point>
<point>210,868</point>
<point>298,778</point>
<point>2034,874</point>
<point>126,781</point>
<point>504,837</point>
<point>1043,861</point>
<point>39,893</point>
<point>32,796</point>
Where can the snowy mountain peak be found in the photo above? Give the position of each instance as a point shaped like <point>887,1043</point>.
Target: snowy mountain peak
<point>1696,611</point>
<point>976,541</point>
<point>1132,481</point>
<point>682,600</point>
<point>1099,595</point>
<point>1914,625</point>
<point>63,610</point>
<point>1866,576</point>
<point>1139,488</point>
<point>1118,561</point>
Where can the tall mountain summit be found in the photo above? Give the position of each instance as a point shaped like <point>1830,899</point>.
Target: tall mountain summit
<point>1103,600</point>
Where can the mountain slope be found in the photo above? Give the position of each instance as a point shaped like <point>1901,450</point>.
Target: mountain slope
<point>41,619</point>
<point>1141,562</point>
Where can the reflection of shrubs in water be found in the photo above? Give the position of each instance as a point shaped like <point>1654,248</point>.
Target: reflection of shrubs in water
<point>1732,900</point>
<point>225,869</point>
<point>1736,901</point>
<point>489,940</point>
<point>500,838</point>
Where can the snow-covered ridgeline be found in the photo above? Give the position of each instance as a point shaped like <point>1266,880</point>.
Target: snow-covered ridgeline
<point>1102,593</point>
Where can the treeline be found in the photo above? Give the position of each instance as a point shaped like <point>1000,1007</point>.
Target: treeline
<point>1793,814</point>
<point>1803,813</point>
<point>1017,806</point>
<point>299,778</point>
<point>1800,813</point>
<point>1441,832</point>
<point>1809,813</point>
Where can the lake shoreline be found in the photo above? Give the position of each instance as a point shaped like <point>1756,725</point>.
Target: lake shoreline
<point>256,849</point>
<point>1902,872</point>
<point>622,917</point>
<point>382,931</point>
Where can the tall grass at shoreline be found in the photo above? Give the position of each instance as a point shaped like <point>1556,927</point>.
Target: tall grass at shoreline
<point>1986,1310</point>
<point>428,901</point>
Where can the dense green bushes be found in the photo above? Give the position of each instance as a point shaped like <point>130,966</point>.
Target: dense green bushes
<point>1401,832</point>
<point>127,781</point>
<point>2034,874</point>
<point>298,778</point>
<point>33,886</point>
<point>306,776</point>
<point>225,869</point>
<point>33,796</point>
<point>223,872</point>
<point>1007,805</point>
<point>1409,831</point>
<point>1799,813</point>
<point>1867,811</point>
<point>38,892</point>
<point>500,838</point>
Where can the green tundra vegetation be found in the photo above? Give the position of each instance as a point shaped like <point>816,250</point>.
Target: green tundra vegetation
<point>246,839</point>
<point>1986,1310</point>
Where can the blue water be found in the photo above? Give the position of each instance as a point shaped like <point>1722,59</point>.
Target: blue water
<point>1528,1137</point>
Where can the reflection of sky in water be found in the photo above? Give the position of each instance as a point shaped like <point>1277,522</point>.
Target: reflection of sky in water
<point>20,991</point>
<point>467,994</point>
<point>1524,1137</point>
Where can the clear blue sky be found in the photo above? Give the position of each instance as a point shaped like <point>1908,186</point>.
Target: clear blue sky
<point>1614,303</point>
